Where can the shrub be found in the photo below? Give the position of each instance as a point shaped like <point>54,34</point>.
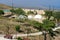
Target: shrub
<point>19,38</point>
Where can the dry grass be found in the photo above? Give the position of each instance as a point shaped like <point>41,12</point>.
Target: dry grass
<point>11,23</point>
<point>3,6</point>
<point>4,22</point>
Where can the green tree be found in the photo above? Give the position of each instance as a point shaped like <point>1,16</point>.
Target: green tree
<point>12,10</point>
<point>48,14</point>
<point>45,27</point>
<point>56,15</point>
<point>35,24</point>
<point>30,12</point>
<point>20,11</point>
<point>1,12</point>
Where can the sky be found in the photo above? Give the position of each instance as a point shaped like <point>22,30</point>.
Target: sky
<point>33,3</point>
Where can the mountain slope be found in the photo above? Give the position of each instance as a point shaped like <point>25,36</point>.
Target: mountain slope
<point>3,6</point>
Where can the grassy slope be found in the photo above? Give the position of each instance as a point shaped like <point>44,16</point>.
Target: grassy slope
<point>12,23</point>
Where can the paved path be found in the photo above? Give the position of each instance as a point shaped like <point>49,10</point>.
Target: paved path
<point>33,34</point>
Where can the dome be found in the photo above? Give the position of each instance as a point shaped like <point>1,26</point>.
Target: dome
<point>37,16</point>
<point>30,16</point>
<point>22,17</point>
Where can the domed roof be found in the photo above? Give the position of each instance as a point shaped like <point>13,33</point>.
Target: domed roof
<point>30,16</point>
<point>38,16</point>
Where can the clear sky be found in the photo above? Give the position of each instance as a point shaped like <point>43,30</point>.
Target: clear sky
<point>33,3</point>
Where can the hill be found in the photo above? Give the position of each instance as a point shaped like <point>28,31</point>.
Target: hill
<point>3,6</point>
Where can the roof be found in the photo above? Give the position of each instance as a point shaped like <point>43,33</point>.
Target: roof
<point>6,10</point>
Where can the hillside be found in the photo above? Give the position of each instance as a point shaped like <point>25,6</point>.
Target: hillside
<point>3,6</point>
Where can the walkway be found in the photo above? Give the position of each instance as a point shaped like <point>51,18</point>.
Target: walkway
<point>32,34</point>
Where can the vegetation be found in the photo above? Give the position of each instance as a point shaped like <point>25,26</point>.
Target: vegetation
<point>56,15</point>
<point>12,10</point>
<point>53,14</point>
<point>1,12</point>
<point>19,38</point>
<point>48,14</point>
<point>30,12</point>
<point>17,27</point>
<point>35,24</point>
<point>18,11</point>
<point>7,29</point>
<point>45,27</point>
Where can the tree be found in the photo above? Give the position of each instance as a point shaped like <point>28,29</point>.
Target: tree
<point>1,12</point>
<point>12,10</point>
<point>20,11</point>
<point>56,15</point>
<point>48,14</point>
<point>30,12</point>
<point>35,24</point>
<point>45,27</point>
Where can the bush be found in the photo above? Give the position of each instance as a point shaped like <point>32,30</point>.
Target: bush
<point>1,12</point>
<point>17,27</point>
<point>19,38</point>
